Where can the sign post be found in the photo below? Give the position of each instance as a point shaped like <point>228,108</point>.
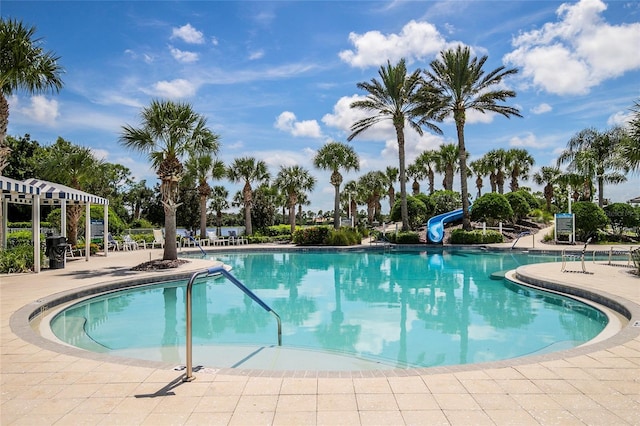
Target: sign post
<point>565,225</point>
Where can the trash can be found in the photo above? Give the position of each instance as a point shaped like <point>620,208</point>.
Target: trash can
<point>55,250</point>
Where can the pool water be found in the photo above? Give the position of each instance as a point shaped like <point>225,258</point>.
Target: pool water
<point>398,309</point>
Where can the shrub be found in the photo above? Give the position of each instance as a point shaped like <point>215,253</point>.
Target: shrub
<point>541,216</point>
<point>533,202</point>
<point>621,216</point>
<point>275,230</point>
<point>140,223</point>
<point>428,203</point>
<point>27,225</point>
<point>17,259</point>
<point>343,237</point>
<point>491,208</point>
<point>589,218</point>
<point>313,235</point>
<point>519,205</point>
<point>445,201</point>
<point>460,236</point>
<point>416,211</point>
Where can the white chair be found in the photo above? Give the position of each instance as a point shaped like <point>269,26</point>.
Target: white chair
<point>158,239</point>
<point>214,240</point>
<point>112,243</point>
<point>128,243</point>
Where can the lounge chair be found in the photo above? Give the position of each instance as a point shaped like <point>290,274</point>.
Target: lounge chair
<point>214,240</point>
<point>158,239</point>
<point>129,244</point>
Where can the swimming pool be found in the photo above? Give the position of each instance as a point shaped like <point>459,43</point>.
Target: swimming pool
<point>398,309</point>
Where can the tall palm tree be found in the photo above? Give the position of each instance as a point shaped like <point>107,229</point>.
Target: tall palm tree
<point>219,195</point>
<point>392,176</point>
<point>335,156</point>
<point>594,154</point>
<point>24,65</point>
<point>168,132</point>
<point>547,176</point>
<point>246,170</point>
<point>446,163</point>
<point>630,147</point>
<point>428,161</point>
<point>396,97</point>
<point>463,86</point>
<point>201,168</point>
<point>294,180</point>
<point>351,195</point>
<point>518,163</point>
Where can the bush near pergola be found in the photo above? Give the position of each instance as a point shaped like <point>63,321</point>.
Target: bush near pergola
<point>491,208</point>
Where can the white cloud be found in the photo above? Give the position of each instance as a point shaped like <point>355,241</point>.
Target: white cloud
<point>528,140</point>
<point>182,55</point>
<point>307,128</point>
<point>41,110</point>
<point>178,88</point>
<point>620,118</point>
<point>256,55</point>
<point>101,154</point>
<point>214,41</point>
<point>344,116</point>
<point>417,40</point>
<point>188,34</point>
<point>577,52</point>
<point>541,109</point>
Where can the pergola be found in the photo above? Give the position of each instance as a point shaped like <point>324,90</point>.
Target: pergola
<point>37,192</point>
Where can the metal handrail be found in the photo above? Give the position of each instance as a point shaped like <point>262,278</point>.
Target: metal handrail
<point>522,234</point>
<point>208,272</point>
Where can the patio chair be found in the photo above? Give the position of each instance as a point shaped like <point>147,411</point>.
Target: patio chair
<point>575,256</point>
<point>112,243</point>
<point>158,239</point>
<point>214,240</point>
<point>129,244</point>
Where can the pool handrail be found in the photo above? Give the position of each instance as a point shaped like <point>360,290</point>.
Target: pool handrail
<point>189,305</point>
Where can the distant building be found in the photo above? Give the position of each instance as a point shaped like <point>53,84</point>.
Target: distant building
<point>635,202</point>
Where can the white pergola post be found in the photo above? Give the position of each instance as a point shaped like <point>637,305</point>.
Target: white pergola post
<point>5,222</point>
<point>63,217</point>
<point>105,232</point>
<point>35,211</point>
<point>87,231</point>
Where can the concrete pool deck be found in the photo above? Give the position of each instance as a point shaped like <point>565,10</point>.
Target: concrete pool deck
<point>597,384</point>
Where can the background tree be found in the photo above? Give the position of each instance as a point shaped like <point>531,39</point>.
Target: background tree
<point>480,169</point>
<point>71,165</point>
<point>491,208</point>
<point>351,197</point>
<point>26,66</point>
<point>428,161</point>
<point>246,170</point>
<point>518,163</point>
<point>293,181</point>
<point>201,168</point>
<point>594,155</point>
<point>395,97</point>
<point>219,195</point>
<point>630,147</point>
<point>392,177</point>
<point>621,216</point>
<point>167,133</point>
<point>138,197</point>
<point>496,162</point>
<point>589,219</point>
<point>371,187</point>
<point>447,164</point>
<point>417,173</point>
<point>462,86</point>
<point>547,176</point>
<point>336,156</point>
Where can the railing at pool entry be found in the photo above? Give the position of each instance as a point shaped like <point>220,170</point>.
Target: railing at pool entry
<point>208,272</point>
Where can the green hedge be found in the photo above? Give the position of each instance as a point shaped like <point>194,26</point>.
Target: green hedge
<point>343,237</point>
<point>313,235</point>
<point>460,236</point>
<point>17,259</point>
<point>28,225</point>
<point>403,237</point>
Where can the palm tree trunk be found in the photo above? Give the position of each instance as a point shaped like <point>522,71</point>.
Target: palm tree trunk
<point>170,247</point>
<point>403,177</point>
<point>466,219</point>
<point>4,120</point>
<point>600,191</point>
<point>203,217</point>
<point>336,207</point>
<point>246,192</point>
<point>292,217</point>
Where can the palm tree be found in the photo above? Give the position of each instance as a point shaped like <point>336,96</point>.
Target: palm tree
<point>630,146</point>
<point>446,163</point>
<point>428,161</point>
<point>518,163</point>
<point>167,133</point>
<point>202,167</point>
<point>463,86</point>
<point>71,165</point>
<point>335,156</point>
<point>24,65</point>
<point>294,181</point>
<point>496,161</point>
<point>392,176</point>
<point>549,177</point>
<point>396,97</point>
<point>372,186</point>
<point>219,195</point>
<point>594,154</point>
<point>246,170</point>
<point>351,194</point>
<point>480,169</point>
<point>417,173</point>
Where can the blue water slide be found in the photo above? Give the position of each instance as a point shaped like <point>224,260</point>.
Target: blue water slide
<point>435,225</point>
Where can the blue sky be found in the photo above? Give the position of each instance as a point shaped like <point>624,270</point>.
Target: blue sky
<point>275,79</point>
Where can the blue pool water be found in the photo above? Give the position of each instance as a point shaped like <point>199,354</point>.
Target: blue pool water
<point>401,309</point>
